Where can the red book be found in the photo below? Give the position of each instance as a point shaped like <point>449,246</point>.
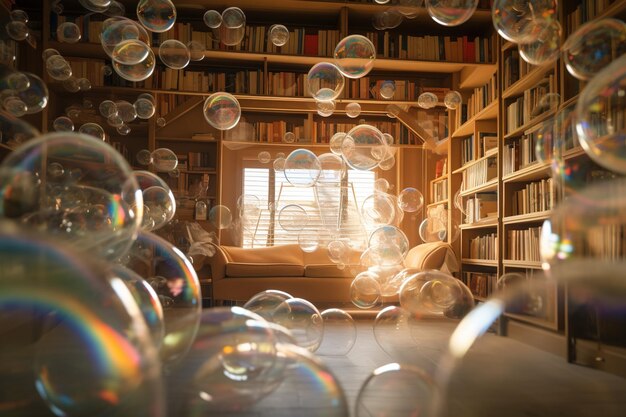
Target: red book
<point>310,45</point>
<point>470,52</point>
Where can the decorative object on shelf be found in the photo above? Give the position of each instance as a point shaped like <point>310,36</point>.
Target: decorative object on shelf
<point>156,15</point>
<point>451,12</point>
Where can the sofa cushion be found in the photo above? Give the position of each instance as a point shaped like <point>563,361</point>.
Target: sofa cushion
<point>429,255</point>
<point>283,254</point>
<point>326,271</point>
<point>269,269</point>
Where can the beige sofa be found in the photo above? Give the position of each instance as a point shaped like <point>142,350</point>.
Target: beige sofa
<point>238,274</point>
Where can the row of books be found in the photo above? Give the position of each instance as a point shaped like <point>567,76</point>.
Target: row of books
<point>481,97</point>
<point>481,284</point>
<point>481,206</point>
<point>518,154</point>
<point>531,104</point>
<point>470,150</point>
<point>467,150</point>
<point>480,173</point>
<point>441,167</point>
<point>583,12</point>
<point>607,242</point>
<point>484,247</point>
<point>433,48</point>
<point>168,102</point>
<point>514,68</point>
<point>523,245</point>
<point>201,161</point>
<point>237,82</point>
<point>324,130</point>
<point>435,122</point>
<point>92,69</point>
<point>535,197</point>
<point>274,132</point>
<point>439,191</point>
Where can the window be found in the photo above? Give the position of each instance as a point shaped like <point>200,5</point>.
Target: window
<point>331,209</point>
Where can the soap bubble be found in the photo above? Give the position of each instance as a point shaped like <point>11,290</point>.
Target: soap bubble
<point>435,292</point>
<point>34,97</point>
<point>279,164</point>
<point>335,142</point>
<point>361,146</point>
<point>433,230</point>
<point>412,384</point>
<point>338,252</point>
<point>383,254</point>
<point>17,81</point>
<point>264,157</point>
<point>126,111</point>
<point>18,15</point>
<point>353,110</point>
<point>427,100</point>
<point>381,185</point>
<point>516,20</point>
<point>332,168</point>
<point>68,32</point>
<point>15,131</point>
<point>410,200</point>
<point>161,122</point>
<point>123,130</point>
<point>157,198</point>
<point>325,108</point>
<point>308,240</point>
<point>58,68</point>
<point>164,159</point>
<point>84,84</point>
<point>144,108</point>
<point>302,168</point>
<point>93,129</point>
<point>17,30</point>
<point>96,6</point>
<point>89,316</point>
<point>115,120</point>
<point>71,85</point>
<point>137,72</point>
<point>451,12</point>
<point>233,26</point>
<point>339,333</point>
<point>289,137</point>
<point>278,35</point>
<point>222,110</point>
<point>354,56</point>
<point>63,124</point>
<point>156,15</point>
<point>547,46</point>
<point>212,18</point>
<point>303,320</point>
<point>118,30</point>
<point>365,290</point>
<point>266,302</point>
<point>47,53</point>
<point>174,54</point>
<point>249,206</point>
<point>220,217</point>
<point>600,130</point>
<point>116,9</point>
<point>173,278</point>
<point>107,70</point>
<point>130,52</point>
<point>389,235</point>
<point>452,100</point>
<point>293,217</point>
<point>387,89</point>
<point>324,81</point>
<point>196,50</point>
<point>87,104</point>
<point>15,106</point>
<point>593,46</point>
<point>378,208</point>
<point>95,209</point>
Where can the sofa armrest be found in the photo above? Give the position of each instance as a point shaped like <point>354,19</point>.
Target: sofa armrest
<point>218,263</point>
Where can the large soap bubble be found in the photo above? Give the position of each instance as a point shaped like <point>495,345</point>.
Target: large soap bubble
<point>278,35</point>
<point>173,278</point>
<point>130,52</point>
<point>174,54</point>
<point>365,290</point>
<point>156,15</point>
<point>164,159</point>
<point>339,333</point>
<point>32,92</point>
<point>233,27</point>
<point>325,108</point>
<point>410,200</point>
<point>302,168</point>
<point>379,208</point>
<point>593,46</point>
<point>303,320</point>
<point>546,47</point>
<point>222,110</point>
<point>136,72</point>
<point>93,130</point>
<point>158,199</point>
<point>197,50</point>
<point>516,21</point>
<point>335,142</point>
<point>68,32</point>
<point>266,302</point>
<point>354,56</point>
<point>389,235</point>
<point>144,107</point>
<point>82,317</point>
<point>363,147</point>
<point>220,217</point>
<point>427,100</point>
<point>413,385</point>
<point>212,18</point>
<point>15,131</point>
<point>293,217</point>
<point>353,110</point>
<point>452,100</point>
<point>63,124</point>
<point>96,206</point>
<point>58,68</point>
<point>325,82</point>
<point>118,30</point>
<point>599,125</point>
<point>433,229</point>
<point>387,89</point>
<point>451,12</point>
<point>332,168</point>
<point>17,30</point>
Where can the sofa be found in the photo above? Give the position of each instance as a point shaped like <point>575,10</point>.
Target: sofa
<point>238,273</point>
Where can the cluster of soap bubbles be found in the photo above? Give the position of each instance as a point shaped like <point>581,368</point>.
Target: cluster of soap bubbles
<point>127,43</point>
<point>229,27</point>
<point>121,112</point>
<point>161,159</point>
<point>16,28</point>
<point>22,92</point>
<point>59,69</point>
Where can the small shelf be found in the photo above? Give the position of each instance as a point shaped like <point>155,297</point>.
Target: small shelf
<point>575,152</point>
<point>531,172</point>
<point>440,178</point>
<point>187,139</point>
<point>491,185</point>
<point>199,171</point>
<point>479,262</point>
<point>534,320</point>
<point>437,203</point>
<point>484,223</point>
<point>487,113</point>
<point>526,218</point>
<point>522,264</point>
<point>474,162</point>
<point>522,129</point>
<point>527,81</point>
<point>569,101</point>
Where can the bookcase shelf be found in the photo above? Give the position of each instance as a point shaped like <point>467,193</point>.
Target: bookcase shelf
<point>531,172</point>
<point>548,324</point>
<point>491,185</point>
<point>488,113</point>
<point>530,217</point>
<point>521,264</point>
<point>480,262</point>
<point>527,81</point>
<point>532,123</point>
<point>488,222</point>
<point>474,162</point>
